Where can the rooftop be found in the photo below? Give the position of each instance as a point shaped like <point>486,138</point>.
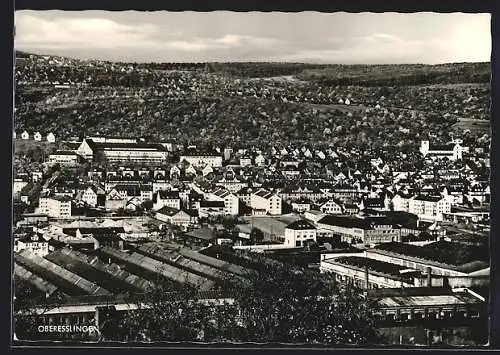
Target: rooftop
<point>300,225</point>
<point>462,257</point>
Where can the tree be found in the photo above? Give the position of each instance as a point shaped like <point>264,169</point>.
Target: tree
<point>275,304</point>
<point>256,235</point>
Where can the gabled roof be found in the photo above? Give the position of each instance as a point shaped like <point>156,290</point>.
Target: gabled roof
<point>214,204</point>
<point>168,211</point>
<point>168,195</point>
<point>300,225</point>
<point>428,198</point>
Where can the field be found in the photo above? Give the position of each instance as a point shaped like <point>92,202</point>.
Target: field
<point>473,125</point>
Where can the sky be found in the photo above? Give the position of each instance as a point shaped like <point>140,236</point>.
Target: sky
<point>223,36</point>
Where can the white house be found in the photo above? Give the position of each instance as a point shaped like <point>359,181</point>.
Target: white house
<point>231,201</point>
<point>55,206</point>
<point>331,207</point>
<point>32,242</point>
<point>207,170</point>
<point>202,159</point>
<point>175,217</point>
<point>91,195</point>
<point>429,208</point>
<point>169,199</point>
<point>25,135</point>
<point>451,151</point>
<point>37,136</point>
<point>300,233</point>
<point>51,138</point>
<point>266,200</point>
<point>260,160</point>
<point>64,157</point>
<point>245,161</point>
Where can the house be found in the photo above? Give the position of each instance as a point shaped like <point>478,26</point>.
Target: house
<point>25,135</point>
<point>265,200</point>
<point>207,170</point>
<point>37,136</point>
<point>176,217</point>
<point>36,176</point>
<point>64,157</point>
<point>166,199</point>
<point>260,160</point>
<point>450,151</point>
<point>175,172</point>
<point>428,207</point>
<point>301,205</point>
<point>401,202</point>
<point>244,194</point>
<point>203,236</point>
<point>94,196</point>
<point>331,207</point>
<point>142,192</point>
<point>51,138</point>
<point>55,206</point>
<point>350,208</point>
<point>99,236</point>
<point>376,203</point>
<point>19,184</point>
<point>34,242</point>
<point>245,161</point>
<point>210,208</point>
<point>199,159</point>
<point>231,201</point>
<point>300,233</point>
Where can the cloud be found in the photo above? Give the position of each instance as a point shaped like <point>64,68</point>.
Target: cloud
<point>381,48</point>
<point>35,32</point>
<point>229,36</point>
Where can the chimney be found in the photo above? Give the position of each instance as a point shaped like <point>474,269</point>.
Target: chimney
<point>429,277</point>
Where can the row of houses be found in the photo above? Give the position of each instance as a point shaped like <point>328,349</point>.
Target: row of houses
<point>37,136</point>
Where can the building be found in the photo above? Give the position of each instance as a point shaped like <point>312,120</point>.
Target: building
<point>210,208</point>
<point>330,207</point>
<point>94,196</point>
<point>357,230</point>
<point>245,161</point>
<point>55,206</point>
<point>300,233</point>
<point>169,199</point>
<point>429,207</point>
<point>138,152</point>
<point>266,200</point>
<point>440,258</point>
<point>64,157</point>
<point>176,217</point>
<point>198,159</point>
<point>361,271</point>
<point>51,138</point>
<point>25,135</point>
<point>301,205</point>
<point>450,151</point>
<point>37,136</point>
<point>114,139</point>
<point>18,185</point>
<point>231,201</point>
<point>401,202</point>
<point>32,242</point>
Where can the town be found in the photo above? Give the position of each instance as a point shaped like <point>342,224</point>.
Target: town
<point>384,187</point>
